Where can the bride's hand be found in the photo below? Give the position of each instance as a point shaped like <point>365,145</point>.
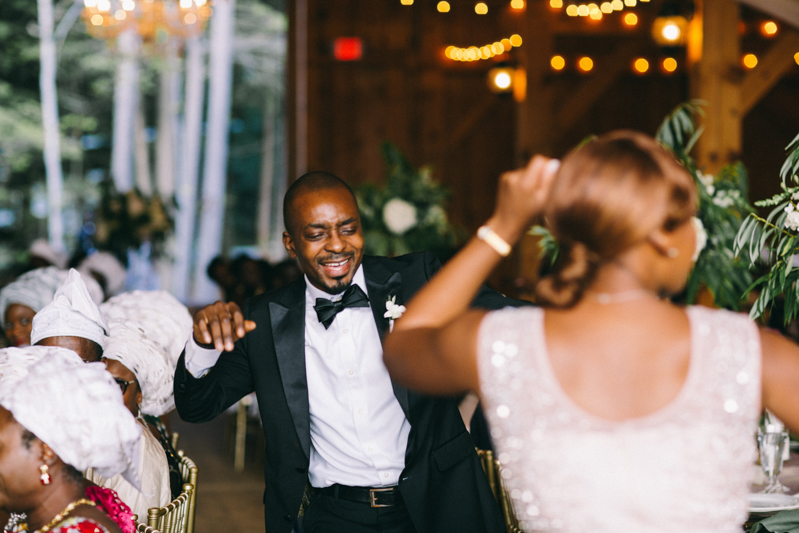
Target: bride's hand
<point>521,197</point>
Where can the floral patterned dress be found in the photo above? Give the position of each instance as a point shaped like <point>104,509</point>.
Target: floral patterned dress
<point>79,524</point>
<point>105,499</point>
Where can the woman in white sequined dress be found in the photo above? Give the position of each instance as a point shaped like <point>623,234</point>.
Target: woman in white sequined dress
<point>611,409</point>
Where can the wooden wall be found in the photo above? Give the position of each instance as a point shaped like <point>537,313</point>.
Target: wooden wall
<point>440,112</point>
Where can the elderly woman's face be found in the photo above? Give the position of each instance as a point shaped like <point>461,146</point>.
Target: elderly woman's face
<point>19,323</point>
<point>19,466</point>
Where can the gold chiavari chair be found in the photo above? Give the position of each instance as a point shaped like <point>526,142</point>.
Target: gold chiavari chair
<point>492,470</point>
<point>144,528</point>
<point>188,471</point>
<point>174,517</point>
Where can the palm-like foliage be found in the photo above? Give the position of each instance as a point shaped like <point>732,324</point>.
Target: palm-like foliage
<point>723,206</point>
<point>773,241</point>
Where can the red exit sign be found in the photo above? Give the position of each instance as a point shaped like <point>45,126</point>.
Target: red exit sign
<point>348,48</point>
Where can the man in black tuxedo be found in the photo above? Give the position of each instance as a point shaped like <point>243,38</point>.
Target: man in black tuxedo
<point>377,456</point>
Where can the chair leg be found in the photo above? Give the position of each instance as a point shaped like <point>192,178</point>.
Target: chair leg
<point>241,437</point>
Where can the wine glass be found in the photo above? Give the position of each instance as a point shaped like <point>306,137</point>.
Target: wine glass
<point>771,445</point>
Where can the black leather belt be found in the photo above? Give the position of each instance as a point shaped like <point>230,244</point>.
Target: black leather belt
<point>375,497</point>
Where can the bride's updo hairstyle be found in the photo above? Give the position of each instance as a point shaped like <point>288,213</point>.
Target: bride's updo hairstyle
<point>608,196</point>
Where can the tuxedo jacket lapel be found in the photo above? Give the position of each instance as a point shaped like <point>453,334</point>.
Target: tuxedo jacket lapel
<point>383,284</point>
<point>288,332</point>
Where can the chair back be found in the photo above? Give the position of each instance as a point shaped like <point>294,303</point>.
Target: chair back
<point>493,471</point>
<point>174,517</point>
<point>188,471</point>
<point>144,528</point>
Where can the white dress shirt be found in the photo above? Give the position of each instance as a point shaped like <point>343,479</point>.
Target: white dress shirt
<point>359,432</point>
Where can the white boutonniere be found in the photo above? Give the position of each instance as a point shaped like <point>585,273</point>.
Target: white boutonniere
<point>393,312</point>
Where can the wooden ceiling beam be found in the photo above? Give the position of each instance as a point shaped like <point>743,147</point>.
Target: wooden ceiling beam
<point>770,69</point>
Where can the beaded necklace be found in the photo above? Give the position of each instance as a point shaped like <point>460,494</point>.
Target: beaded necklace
<point>60,516</point>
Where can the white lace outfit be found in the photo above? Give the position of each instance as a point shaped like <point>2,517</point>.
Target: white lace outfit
<point>685,467</point>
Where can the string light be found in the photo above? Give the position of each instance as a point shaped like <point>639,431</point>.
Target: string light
<point>769,28</point>
<point>556,4</point>
<point>517,4</point>
<point>630,3</point>
<point>617,5</point>
<point>631,19</point>
<point>557,63</point>
<point>586,64</point>
<point>750,60</point>
<point>796,57</point>
<point>473,53</point>
<point>571,10</point>
<point>406,2</point>
<point>481,8</point>
<point>641,65</point>
<point>606,7</point>
<point>669,64</point>
<point>443,7</point>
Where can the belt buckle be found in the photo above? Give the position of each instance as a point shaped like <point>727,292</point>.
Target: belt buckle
<point>373,497</point>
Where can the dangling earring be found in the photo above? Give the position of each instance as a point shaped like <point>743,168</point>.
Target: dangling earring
<point>45,476</point>
<point>672,252</point>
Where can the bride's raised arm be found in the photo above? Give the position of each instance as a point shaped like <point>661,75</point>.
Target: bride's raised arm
<point>433,346</point>
<point>781,377</point>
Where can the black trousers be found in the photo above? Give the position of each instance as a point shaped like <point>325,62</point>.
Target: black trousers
<point>328,514</point>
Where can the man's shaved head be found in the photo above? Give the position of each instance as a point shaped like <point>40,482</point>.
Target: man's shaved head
<point>307,183</point>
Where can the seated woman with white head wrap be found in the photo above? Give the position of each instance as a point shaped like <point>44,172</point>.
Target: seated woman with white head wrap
<point>139,367</point>
<point>72,320</point>
<point>27,295</point>
<point>58,417</point>
<point>168,323</point>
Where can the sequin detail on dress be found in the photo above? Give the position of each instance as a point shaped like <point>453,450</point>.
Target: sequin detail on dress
<point>685,467</point>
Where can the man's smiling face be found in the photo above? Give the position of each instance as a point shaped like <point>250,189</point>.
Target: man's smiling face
<point>325,237</point>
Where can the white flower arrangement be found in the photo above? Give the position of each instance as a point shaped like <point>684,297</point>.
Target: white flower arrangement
<point>701,237</point>
<point>707,181</point>
<point>792,220</point>
<point>399,216</point>
<point>393,311</point>
<point>408,213</point>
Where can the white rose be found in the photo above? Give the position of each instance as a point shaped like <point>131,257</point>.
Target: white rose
<point>701,237</point>
<point>707,180</point>
<point>436,216</point>
<point>399,216</point>
<point>792,220</point>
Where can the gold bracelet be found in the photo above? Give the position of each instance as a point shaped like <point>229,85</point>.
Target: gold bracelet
<point>490,237</point>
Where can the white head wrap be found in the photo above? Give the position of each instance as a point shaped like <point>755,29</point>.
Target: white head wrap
<point>72,313</point>
<point>36,288</point>
<point>75,408</point>
<point>41,248</point>
<point>16,362</point>
<point>109,267</point>
<point>147,359</point>
<point>163,318</point>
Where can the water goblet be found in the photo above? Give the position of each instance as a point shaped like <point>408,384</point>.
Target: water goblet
<point>771,445</point>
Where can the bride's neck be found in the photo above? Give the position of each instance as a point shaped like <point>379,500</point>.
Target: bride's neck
<point>619,277</point>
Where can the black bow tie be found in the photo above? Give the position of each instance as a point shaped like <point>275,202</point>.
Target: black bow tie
<point>326,310</point>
